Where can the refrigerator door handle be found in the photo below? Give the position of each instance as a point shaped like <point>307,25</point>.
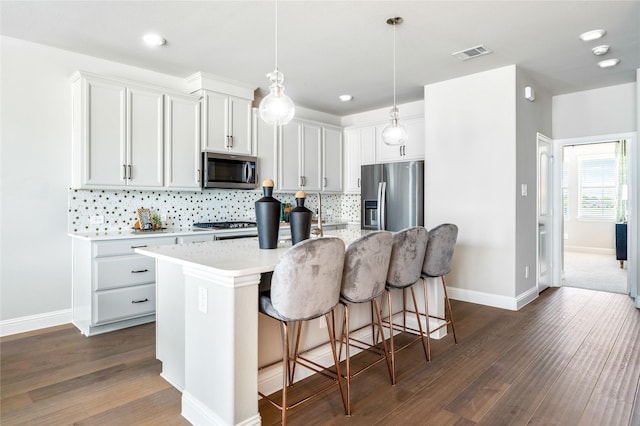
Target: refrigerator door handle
<point>382,206</point>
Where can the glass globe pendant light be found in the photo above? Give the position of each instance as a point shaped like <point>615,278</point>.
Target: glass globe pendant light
<point>394,133</point>
<point>276,108</point>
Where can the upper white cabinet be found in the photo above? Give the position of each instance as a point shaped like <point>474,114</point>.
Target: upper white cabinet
<point>265,140</point>
<point>309,157</point>
<point>117,134</point>
<point>226,123</point>
<point>413,149</point>
<point>360,144</point>
<point>182,142</point>
<point>332,160</point>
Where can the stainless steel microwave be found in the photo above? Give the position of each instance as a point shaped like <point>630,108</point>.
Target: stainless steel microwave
<point>229,171</point>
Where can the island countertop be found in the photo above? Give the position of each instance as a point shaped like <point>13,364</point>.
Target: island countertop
<point>233,258</point>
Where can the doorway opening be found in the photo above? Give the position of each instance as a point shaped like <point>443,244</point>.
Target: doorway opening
<point>594,186</point>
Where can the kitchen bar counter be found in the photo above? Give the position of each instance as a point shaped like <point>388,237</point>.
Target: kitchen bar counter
<point>178,232</point>
<point>207,323</point>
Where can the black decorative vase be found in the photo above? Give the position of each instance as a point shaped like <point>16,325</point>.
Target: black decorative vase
<point>268,217</point>
<point>300,219</point>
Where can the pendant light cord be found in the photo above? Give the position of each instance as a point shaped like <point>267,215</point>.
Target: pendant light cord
<point>276,36</point>
<point>394,64</point>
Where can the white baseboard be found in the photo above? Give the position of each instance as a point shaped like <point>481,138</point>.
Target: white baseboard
<point>592,250</point>
<point>34,322</point>
<point>494,300</point>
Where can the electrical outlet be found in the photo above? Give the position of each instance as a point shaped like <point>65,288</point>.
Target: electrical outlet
<point>202,300</point>
<point>96,220</point>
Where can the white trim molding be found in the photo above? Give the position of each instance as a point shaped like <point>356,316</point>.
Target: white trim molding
<point>494,300</point>
<point>34,322</point>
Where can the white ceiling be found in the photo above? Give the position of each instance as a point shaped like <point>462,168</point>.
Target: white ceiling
<point>327,48</point>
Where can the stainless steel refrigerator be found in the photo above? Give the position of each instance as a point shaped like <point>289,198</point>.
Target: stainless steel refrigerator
<point>392,195</point>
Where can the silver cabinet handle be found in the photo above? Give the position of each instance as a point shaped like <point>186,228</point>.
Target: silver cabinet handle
<point>129,169</point>
<point>140,301</point>
<point>358,182</point>
<point>135,247</point>
<point>198,175</point>
<point>325,182</point>
<point>231,141</point>
<point>140,271</point>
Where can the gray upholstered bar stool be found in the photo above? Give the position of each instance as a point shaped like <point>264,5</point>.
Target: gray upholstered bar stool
<point>363,280</point>
<point>305,285</point>
<point>405,269</point>
<point>437,264</point>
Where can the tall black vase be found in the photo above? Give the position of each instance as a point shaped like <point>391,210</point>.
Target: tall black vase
<point>268,218</point>
<point>300,219</point>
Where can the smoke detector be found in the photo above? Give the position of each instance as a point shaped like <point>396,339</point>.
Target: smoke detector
<point>473,52</point>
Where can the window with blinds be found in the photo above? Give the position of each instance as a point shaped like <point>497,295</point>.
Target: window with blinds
<point>597,188</point>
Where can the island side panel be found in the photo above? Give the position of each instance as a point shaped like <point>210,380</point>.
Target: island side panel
<point>170,320</point>
<point>221,348</point>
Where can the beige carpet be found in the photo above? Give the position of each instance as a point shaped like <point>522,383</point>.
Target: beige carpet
<point>595,272</point>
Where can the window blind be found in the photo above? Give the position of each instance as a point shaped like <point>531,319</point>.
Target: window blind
<point>597,187</point>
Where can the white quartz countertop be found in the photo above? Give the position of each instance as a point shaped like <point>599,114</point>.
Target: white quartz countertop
<point>236,257</point>
<point>172,232</point>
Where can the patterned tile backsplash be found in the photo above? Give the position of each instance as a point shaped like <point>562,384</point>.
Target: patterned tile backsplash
<point>184,208</point>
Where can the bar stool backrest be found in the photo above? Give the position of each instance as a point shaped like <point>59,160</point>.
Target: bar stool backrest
<point>306,281</point>
<point>366,265</point>
<point>442,242</point>
<point>407,257</point>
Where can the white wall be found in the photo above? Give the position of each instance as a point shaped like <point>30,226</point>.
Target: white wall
<point>480,147</point>
<point>601,111</point>
<point>470,171</point>
<point>531,118</point>
<point>35,172</point>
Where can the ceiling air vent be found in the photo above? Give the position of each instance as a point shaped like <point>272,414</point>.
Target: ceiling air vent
<point>474,52</point>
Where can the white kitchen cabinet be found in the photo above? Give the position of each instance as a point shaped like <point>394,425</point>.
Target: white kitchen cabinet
<point>289,157</point>
<point>265,140</point>
<point>309,157</point>
<point>182,169</point>
<point>226,123</point>
<point>332,160</point>
<point>113,287</point>
<point>413,149</point>
<point>359,150</point>
<point>117,134</point>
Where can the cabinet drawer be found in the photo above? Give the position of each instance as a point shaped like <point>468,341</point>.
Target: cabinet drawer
<point>124,271</point>
<point>121,247</point>
<point>124,303</point>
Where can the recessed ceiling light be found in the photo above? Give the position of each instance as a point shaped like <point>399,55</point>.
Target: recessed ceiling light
<point>600,50</point>
<point>154,40</point>
<point>592,35</point>
<point>345,98</point>
<point>608,63</point>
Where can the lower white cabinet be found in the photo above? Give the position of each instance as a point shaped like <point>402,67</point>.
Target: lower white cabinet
<point>113,287</point>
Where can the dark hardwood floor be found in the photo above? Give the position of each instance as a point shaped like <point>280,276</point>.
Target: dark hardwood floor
<point>572,357</point>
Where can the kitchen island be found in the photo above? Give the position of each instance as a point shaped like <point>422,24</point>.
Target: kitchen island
<point>207,324</point>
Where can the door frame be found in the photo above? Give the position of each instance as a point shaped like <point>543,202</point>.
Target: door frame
<point>551,264</point>
<point>632,205</point>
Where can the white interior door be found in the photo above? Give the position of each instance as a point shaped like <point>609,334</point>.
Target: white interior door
<point>545,212</point>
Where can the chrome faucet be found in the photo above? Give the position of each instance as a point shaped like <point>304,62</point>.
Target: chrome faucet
<point>318,230</point>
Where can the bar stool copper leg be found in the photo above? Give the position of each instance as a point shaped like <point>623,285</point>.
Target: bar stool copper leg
<point>426,316</point>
